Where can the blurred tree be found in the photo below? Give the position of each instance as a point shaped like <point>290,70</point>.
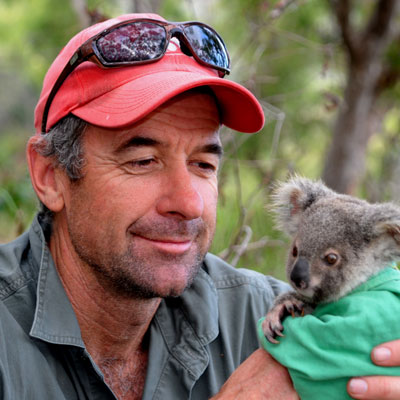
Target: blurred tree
<point>290,53</point>
<point>82,12</point>
<point>145,6</point>
<point>370,70</point>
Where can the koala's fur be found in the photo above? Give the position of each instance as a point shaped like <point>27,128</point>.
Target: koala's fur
<point>338,243</point>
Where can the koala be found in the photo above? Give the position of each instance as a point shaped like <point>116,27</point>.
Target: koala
<point>338,243</point>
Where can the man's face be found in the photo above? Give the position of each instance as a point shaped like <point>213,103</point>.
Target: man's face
<point>143,216</point>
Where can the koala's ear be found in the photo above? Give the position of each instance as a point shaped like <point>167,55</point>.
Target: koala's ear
<point>387,224</point>
<point>290,199</point>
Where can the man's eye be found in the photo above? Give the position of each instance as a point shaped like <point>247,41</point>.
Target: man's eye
<point>143,163</point>
<point>204,168</point>
<point>205,165</point>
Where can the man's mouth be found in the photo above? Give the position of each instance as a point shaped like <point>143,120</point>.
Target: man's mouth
<point>167,245</point>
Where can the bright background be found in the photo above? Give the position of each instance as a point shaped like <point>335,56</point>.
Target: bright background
<point>291,54</point>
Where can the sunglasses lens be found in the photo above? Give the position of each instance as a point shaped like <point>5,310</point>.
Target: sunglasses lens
<point>138,41</point>
<point>207,45</point>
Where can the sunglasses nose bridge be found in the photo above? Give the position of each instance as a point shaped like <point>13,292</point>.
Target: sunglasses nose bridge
<point>176,31</point>
<point>184,43</point>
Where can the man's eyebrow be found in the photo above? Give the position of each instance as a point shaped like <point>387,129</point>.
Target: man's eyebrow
<point>137,141</point>
<point>213,148</point>
<point>143,141</point>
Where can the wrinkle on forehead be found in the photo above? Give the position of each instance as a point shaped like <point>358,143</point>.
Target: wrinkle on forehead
<point>187,112</point>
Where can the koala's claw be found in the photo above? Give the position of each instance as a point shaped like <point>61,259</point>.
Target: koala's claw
<point>290,307</point>
<point>272,325</point>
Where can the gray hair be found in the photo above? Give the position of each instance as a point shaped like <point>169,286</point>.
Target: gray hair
<point>64,144</point>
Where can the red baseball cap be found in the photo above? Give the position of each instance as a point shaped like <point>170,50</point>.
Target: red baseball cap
<point>117,97</point>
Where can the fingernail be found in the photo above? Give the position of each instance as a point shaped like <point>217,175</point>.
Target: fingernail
<point>381,354</point>
<point>358,386</point>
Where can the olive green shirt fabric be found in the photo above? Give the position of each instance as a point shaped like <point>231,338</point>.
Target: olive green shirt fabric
<point>196,341</point>
<point>325,349</point>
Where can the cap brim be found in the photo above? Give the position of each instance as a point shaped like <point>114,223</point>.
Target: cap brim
<point>133,100</point>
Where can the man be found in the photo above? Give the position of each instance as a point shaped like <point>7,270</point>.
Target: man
<point>111,294</point>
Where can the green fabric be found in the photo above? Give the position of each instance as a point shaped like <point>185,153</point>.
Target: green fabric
<point>325,349</point>
<point>195,341</point>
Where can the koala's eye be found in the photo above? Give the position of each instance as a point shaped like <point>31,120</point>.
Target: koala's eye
<point>331,258</point>
<point>295,251</point>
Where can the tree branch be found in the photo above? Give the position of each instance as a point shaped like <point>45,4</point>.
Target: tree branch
<point>341,9</point>
<point>379,31</point>
<point>280,8</point>
<point>388,78</point>
<point>80,7</point>
<point>143,6</point>
<point>380,24</point>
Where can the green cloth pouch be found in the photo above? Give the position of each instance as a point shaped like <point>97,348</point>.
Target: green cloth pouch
<point>323,350</point>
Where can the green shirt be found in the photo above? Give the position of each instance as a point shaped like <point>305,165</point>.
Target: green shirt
<point>325,349</point>
<point>196,340</point>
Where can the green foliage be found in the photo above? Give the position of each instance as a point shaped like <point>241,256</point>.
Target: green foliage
<point>32,33</point>
<point>290,58</point>
<point>17,200</point>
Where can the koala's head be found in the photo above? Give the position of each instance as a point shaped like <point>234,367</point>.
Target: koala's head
<point>338,241</point>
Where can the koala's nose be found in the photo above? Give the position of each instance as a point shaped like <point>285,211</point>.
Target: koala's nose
<point>300,274</point>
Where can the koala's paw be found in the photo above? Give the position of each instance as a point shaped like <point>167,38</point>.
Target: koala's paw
<point>272,325</point>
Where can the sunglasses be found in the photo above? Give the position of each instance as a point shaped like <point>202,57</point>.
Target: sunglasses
<point>143,41</point>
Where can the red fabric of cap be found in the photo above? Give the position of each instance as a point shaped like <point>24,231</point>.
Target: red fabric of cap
<point>117,97</point>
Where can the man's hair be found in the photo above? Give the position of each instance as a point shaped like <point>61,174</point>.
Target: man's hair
<point>63,143</point>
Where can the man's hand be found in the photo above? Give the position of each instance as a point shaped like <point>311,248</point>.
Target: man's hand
<point>259,377</point>
<point>379,387</point>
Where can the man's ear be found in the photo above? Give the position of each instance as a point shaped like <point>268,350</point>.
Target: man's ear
<point>290,199</point>
<point>46,180</point>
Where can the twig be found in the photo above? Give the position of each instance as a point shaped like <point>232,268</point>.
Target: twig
<point>341,8</point>
<point>80,7</point>
<point>279,116</point>
<point>252,246</point>
<point>242,215</point>
<point>240,249</point>
<point>280,8</point>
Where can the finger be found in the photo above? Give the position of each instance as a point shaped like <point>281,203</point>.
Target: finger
<point>375,387</point>
<point>387,354</point>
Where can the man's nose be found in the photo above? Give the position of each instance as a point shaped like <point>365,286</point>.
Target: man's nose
<point>180,196</point>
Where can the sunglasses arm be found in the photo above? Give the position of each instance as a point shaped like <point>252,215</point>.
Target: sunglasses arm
<point>81,55</point>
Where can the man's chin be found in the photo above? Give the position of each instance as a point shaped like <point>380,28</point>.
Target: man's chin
<point>167,280</point>
<point>176,282</point>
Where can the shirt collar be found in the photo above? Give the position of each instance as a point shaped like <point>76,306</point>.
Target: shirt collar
<point>55,319</point>
<point>185,326</point>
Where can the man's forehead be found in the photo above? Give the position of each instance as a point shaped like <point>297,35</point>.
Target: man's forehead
<point>135,138</point>
<point>148,135</point>
<point>192,115</point>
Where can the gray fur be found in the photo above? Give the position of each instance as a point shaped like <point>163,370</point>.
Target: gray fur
<point>364,238</point>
